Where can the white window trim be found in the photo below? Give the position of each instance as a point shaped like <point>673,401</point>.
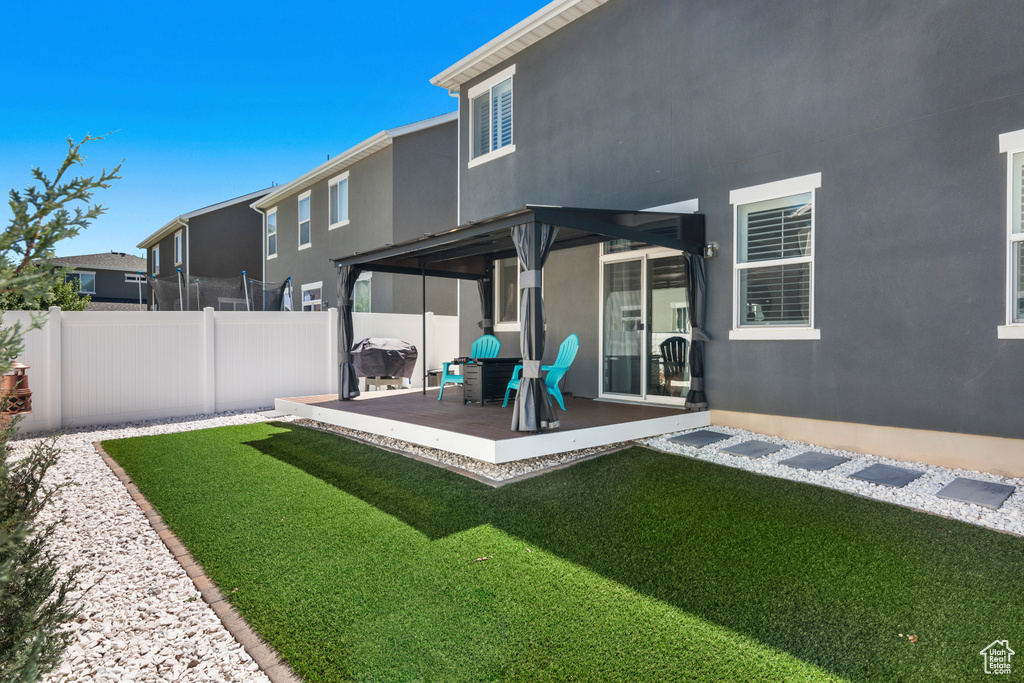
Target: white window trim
<point>134,279</point>
<point>179,247</point>
<point>475,92</point>
<point>80,273</point>
<point>302,291</point>
<point>759,193</point>
<point>266,234</point>
<point>1009,144</point>
<point>298,214</point>
<point>331,183</point>
<point>511,326</point>
<point>156,260</point>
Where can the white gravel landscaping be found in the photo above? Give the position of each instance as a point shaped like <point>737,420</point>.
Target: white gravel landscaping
<point>144,620</point>
<point>918,494</point>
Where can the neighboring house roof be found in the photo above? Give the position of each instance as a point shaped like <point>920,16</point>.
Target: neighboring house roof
<point>538,25</point>
<point>111,306</point>
<point>107,261</point>
<point>347,158</point>
<point>182,220</point>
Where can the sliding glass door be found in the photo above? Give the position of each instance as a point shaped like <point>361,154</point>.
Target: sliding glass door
<point>645,327</point>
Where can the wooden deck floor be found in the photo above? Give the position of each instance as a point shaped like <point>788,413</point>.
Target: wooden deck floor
<point>489,421</point>
<point>484,432</point>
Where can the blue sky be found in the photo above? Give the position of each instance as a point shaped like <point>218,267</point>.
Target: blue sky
<point>214,100</point>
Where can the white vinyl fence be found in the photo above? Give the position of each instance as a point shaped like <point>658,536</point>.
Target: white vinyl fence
<point>104,367</point>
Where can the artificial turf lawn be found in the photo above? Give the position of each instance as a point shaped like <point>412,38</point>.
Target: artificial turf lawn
<point>359,564</point>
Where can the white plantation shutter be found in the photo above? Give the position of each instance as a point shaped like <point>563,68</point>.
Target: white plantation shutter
<point>481,125</point>
<point>774,259</point>
<point>501,114</point>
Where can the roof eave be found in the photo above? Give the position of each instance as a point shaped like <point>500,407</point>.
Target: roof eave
<point>338,164</point>
<point>535,27</point>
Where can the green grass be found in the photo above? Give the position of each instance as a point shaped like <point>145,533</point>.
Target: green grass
<point>358,564</point>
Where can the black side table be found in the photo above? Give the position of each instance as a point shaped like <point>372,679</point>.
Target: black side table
<point>485,379</point>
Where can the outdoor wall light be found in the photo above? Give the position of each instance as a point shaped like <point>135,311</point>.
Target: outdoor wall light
<point>710,249</point>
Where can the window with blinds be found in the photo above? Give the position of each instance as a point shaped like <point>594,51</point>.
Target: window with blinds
<point>491,117</point>
<point>1017,238</point>
<point>774,261</point>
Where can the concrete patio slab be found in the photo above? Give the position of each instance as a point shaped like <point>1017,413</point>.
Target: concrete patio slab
<point>887,475</point>
<point>752,449</point>
<point>700,438</point>
<point>815,461</point>
<point>985,493</point>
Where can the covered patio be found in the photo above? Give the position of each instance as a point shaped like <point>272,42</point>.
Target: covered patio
<point>482,432</point>
<point>530,234</point>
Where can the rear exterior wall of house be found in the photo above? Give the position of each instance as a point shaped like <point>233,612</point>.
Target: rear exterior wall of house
<point>404,189</point>
<point>898,107</point>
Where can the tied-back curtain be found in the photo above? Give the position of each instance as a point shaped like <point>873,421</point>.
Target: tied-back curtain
<point>532,410</point>
<point>348,382</point>
<point>696,293</point>
<point>486,288</point>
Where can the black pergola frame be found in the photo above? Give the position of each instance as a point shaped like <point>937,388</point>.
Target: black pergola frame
<point>489,240</point>
<point>469,251</point>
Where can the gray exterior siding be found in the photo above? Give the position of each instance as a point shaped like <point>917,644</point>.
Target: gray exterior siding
<point>898,106</point>
<point>221,243</point>
<point>407,188</point>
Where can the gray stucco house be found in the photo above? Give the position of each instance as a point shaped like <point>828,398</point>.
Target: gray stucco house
<point>221,240</point>
<point>858,168</point>
<point>391,187</point>
<point>113,281</point>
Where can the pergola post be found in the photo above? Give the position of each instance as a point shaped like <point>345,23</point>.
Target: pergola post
<point>532,411</point>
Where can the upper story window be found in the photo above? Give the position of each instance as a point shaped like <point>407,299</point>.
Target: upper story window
<point>312,296</point>
<point>178,251</point>
<point>1012,144</point>
<point>774,260</point>
<point>156,259</point>
<point>338,191</point>
<point>305,236</point>
<point>86,281</point>
<point>490,117</point>
<point>272,233</point>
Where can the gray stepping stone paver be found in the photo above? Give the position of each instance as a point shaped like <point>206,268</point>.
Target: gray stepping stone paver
<point>700,438</point>
<point>271,413</point>
<point>815,461</point>
<point>887,475</point>
<point>752,449</point>
<point>985,493</point>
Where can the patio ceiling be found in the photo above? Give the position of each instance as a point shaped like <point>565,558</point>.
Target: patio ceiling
<point>468,251</point>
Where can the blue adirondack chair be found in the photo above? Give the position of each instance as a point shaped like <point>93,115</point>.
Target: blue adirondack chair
<point>566,355</point>
<point>486,346</point>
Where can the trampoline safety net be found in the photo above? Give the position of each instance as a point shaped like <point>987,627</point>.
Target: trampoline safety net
<point>194,293</point>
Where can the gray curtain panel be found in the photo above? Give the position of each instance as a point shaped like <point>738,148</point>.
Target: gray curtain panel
<point>348,382</point>
<point>697,296</point>
<point>532,411</point>
<point>486,288</point>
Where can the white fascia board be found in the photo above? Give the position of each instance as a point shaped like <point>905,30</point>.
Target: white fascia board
<point>332,167</point>
<point>182,220</point>
<point>535,27</point>
<point>327,169</point>
<point>423,125</point>
<point>179,222</point>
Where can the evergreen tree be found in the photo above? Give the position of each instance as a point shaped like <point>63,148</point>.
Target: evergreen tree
<point>34,602</point>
